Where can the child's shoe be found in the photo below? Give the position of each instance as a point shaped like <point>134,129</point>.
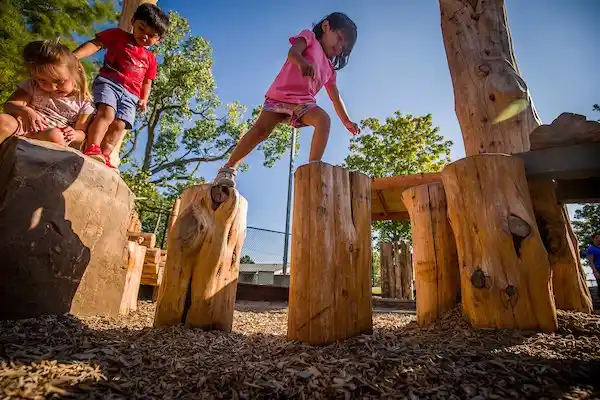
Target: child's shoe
<point>225,177</point>
<point>107,161</point>
<point>95,152</point>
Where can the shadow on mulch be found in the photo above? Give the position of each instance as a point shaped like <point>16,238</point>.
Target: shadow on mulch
<point>65,356</point>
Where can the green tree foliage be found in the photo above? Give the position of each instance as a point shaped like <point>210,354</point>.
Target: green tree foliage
<point>587,219</point>
<point>246,259</point>
<point>186,125</point>
<point>401,145</point>
<point>586,224</point>
<point>22,21</point>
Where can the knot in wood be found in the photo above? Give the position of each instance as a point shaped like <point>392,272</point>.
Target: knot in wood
<point>518,227</point>
<point>483,70</point>
<point>510,291</point>
<point>478,279</point>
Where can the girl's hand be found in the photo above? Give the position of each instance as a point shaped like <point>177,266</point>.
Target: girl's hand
<point>142,105</point>
<point>68,133</point>
<point>307,69</point>
<point>352,127</point>
<point>33,122</point>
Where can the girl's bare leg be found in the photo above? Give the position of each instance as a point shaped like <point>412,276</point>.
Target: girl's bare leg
<point>319,119</point>
<point>8,126</point>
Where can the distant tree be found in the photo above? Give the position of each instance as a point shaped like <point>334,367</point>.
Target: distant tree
<point>403,144</point>
<point>22,21</point>
<point>246,259</point>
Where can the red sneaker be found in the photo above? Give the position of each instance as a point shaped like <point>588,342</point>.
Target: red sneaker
<point>107,161</point>
<point>94,151</point>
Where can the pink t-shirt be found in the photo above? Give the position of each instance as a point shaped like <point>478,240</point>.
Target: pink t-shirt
<point>58,111</point>
<point>290,86</point>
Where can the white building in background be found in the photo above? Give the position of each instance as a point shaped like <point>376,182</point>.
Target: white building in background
<point>263,274</point>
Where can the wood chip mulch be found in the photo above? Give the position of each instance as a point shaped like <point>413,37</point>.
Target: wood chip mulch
<point>102,358</point>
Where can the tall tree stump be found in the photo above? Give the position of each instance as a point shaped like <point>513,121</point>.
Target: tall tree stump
<point>495,110</point>
<point>434,251</point>
<point>568,282</point>
<point>330,282</point>
<point>396,270</point>
<point>63,224</point>
<point>504,268</point>
<point>201,271</point>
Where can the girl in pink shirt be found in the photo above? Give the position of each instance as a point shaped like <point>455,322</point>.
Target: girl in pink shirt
<point>312,62</point>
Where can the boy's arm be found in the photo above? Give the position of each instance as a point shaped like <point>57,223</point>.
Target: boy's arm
<point>145,94</point>
<point>88,48</point>
<point>340,108</point>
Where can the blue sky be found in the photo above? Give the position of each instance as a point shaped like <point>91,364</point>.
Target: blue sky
<point>398,63</point>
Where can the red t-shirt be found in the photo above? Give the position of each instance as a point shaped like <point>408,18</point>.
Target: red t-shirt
<point>126,62</point>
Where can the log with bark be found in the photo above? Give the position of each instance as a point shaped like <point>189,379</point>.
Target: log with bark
<point>435,258</point>
<point>504,269</point>
<point>201,272</point>
<point>395,259</point>
<point>330,282</point>
<point>133,278</point>
<point>494,106</point>
<point>63,242</point>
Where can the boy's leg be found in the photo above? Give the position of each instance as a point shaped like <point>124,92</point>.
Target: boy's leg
<point>115,133</point>
<point>8,126</point>
<point>105,115</point>
<point>262,128</point>
<point>319,119</point>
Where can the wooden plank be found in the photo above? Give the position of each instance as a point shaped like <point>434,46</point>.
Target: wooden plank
<point>578,190</point>
<point>395,216</point>
<point>565,162</point>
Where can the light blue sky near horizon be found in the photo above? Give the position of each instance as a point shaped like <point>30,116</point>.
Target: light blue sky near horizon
<point>398,63</point>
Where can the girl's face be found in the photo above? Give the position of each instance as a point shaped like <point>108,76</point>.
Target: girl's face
<point>56,80</point>
<point>333,42</point>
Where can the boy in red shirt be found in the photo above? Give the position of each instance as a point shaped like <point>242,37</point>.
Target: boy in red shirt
<point>125,79</point>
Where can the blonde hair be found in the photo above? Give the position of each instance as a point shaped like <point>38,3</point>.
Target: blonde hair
<point>41,56</point>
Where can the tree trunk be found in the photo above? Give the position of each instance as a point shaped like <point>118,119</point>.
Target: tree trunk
<point>405,265</point>
<point>330,285</point>
<point>504,268</point>
<point>201,272</point>
<point>63,223</point>
<point>133,279</point>
<point>174,213</point>
<point>492,102</point>
<point>435,258</point>
<point>570,288</point>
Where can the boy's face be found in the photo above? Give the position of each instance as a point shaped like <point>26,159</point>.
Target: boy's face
<point>143,34</point>
<point>596,240</point>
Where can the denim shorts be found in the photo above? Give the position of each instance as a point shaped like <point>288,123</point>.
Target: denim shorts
<point>116,96</point>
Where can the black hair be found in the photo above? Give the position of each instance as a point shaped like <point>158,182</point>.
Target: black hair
<point>595,234</point>
<point>154,17</point>
<point>339,21</point>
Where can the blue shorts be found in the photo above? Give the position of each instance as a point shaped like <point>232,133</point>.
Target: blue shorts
<point>116,96</point>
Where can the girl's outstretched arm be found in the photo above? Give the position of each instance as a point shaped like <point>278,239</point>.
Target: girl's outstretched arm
<point>340,108</point>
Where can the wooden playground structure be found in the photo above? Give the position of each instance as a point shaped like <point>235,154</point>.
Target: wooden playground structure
<point>490,231</point>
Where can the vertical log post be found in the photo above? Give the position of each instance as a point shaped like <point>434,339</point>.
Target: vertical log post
<point>504,268</point>
<point>385,264</point>
<point>405,265</point>
<point>135,265</point>
<point>570,288</point>
<point>496,115</point>
<point>435,258</point>
<point>330,284</point>
<point>201,271</point>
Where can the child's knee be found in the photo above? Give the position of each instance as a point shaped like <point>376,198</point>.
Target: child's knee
<point>105,113</point>
<point>118,125</point>
<point>323,120</point>
<point>8,124</point>
<point>55,135</point>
